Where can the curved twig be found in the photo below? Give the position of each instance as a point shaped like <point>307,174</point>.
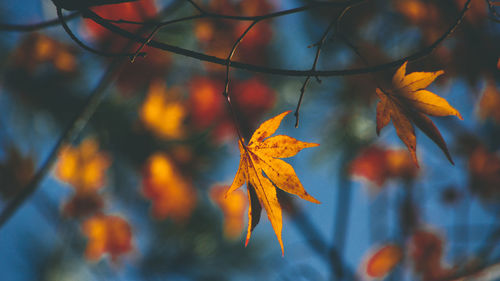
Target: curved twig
<point>83,45</point>
<point>280,71</point>
<point>36,26</point>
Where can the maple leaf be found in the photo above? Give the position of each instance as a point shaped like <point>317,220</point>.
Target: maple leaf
<point>233,208</point>
<point>84,167</point>
<point>409,103</point>
<point>172,195</point>
<point>260,157</point>
<point>107,234</point>
<point>383,260</point>
<point>161,113</point>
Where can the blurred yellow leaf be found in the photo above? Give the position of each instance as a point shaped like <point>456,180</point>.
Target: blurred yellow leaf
<point>162,114</point>
<point>261,156</point>
<point>409,103</point>
<point>84,167</point>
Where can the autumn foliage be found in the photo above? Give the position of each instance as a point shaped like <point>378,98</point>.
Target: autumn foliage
<point>137,109</point>
<point>408,102</point>
<point>262,154</point>
<point>107,234</point>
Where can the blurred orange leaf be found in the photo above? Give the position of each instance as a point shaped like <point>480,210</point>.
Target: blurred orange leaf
<point>233,207</point>
<point>172,195</point>
<point>409,103</point>
<point>84,167</point>
<point>38,49</point>
<point>383,260</point>
<point>489,102</point>
<point>261,156</point>
<point>107,234</point>
<point>377,165</point>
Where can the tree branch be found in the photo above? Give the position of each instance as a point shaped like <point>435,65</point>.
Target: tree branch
<point>83,45</point>
<point>36,26</point>
<point>279,71</point>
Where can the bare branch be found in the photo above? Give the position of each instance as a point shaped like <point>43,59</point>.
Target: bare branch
<point>83,45</point>
<point>280,71</point>
<point>36,26</point>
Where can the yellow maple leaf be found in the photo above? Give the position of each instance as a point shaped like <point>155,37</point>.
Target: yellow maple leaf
<point>260,157</point>
<point>408,103</point>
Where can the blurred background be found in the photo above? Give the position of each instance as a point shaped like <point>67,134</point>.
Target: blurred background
<point>138,192</point>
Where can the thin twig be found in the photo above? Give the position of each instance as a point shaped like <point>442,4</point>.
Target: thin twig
<point>83,45</point>
<point>36,26</point>
<point>319,45</point>
<point>231,53</point>
<point>155,31</point>
<point>196,6</point>
<point>225,92</point>
<point>279,71</point>
<point>494,16</point>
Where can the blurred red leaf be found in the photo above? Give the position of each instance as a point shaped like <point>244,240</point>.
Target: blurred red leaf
<point>484,173</point>
<point>377,165</point>
<point>107,234</point>
<point>139,11</point>
<point>426,251</point>
<point>83,204</point>
<point>253,97</point>
<point>489,103</point>
<point>206,101</point>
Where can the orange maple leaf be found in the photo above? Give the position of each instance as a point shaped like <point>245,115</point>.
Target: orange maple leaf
<point>107,234</point>
<point>383,260</point>
<point>172,195</point>
<point>409,103</point>
<point>261,156</point>
<point>233,208</point>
